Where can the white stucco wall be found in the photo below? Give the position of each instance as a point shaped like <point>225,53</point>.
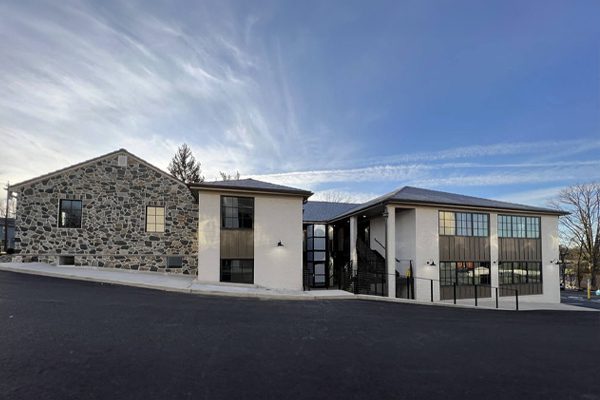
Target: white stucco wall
<point>427,248</point>
<point>550,271</point>
<point>276,218</point>
<point>209,236</point>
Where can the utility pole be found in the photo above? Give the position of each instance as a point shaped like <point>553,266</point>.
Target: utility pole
<point>5,247</point>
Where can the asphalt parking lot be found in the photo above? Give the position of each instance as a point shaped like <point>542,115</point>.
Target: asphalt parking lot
<point>579,298</point>
<point>63,339</point>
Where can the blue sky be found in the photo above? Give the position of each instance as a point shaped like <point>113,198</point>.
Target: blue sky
<point>498,99</point>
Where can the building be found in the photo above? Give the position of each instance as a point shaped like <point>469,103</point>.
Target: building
<point>4,223</point>
<point>119,211</point>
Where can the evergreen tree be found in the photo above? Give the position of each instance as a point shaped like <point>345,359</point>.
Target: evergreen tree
<point>184,166</point>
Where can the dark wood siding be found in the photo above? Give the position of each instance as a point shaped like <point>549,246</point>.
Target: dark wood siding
<point>523,288</point>
<point>237,243</point>
<point>464,248</point>
<point>465,292</point>
<point>519,249</point>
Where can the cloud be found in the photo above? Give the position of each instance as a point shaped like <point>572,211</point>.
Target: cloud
<point>78,80</point>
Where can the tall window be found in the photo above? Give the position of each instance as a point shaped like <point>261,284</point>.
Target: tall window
<point>155,219</point>
<point>512,226</point>
<point>316,244</point>
<point>514,272</point>
<point>238,271</point>
<point>464,273</point>
<point>69,215</point>
<point>463,224</point>
<point>237,212</point>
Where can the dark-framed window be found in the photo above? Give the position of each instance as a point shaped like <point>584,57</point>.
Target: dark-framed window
<point>237,271</point>
<point>514,226</point>
<point>316,253</point>
<point>69,214</point>
<point>464,273</point>
<point>237,212</point>
<point>463,224</point>
<point>155,219</point>
<point>516,272</point>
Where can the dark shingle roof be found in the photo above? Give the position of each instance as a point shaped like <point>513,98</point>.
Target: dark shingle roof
<point>250,185</point>
<point>413,195</point>
<point>322,211</point>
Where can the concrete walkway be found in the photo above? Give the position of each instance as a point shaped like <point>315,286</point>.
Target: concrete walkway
<point>168,282</point>
<point>189,284</point>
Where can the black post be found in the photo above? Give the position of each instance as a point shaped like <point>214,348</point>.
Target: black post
<point>454,287</point>
<point>475,287</point>
<point>496,297</point>
<point>408,288</point>
<point>431,281</point>
<point>517,298</point>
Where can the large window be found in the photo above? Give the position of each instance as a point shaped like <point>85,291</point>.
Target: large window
<point>69,215</point>
<point>237,271</point>
<point>514,272</point>
<point>464,273</point>
<point>512,226</point>
<point>237,212</point>
<point>316,245</point>
<point>155,219</point>
<point>463,224</point>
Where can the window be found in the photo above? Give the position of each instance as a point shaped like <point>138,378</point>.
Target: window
<point>155,219</point>
<point>69,215</point>
<point>447,223</point>
<point>464,273</point>
<point>533,227</point>
<point>316,254</point>
<point>463,224</point>
<point>512,226</point>
<point>237,212</point>
<point>237,271</point>
<point>516,272</point>
<point>174,262</point>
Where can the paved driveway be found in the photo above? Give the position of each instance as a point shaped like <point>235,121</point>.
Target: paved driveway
<point>64,339</point>
<point>579,298</point>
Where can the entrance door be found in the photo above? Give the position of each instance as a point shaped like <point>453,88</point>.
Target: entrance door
<point>320,275</point>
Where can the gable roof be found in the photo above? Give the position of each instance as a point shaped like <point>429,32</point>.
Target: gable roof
<point>92,161</point>
<point>323,211</point>
<point>410,195</point>
<point>250,185</point>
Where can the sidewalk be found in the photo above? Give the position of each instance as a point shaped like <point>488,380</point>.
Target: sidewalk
<point>167,282</point>
<point>189,284</point>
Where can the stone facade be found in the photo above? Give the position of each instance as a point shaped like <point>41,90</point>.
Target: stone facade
<point>113,231</point>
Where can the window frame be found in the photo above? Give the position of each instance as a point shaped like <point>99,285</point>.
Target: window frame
<point>465,223</point>
<point>507,268</point>
<point>222,273</point>
<point>60,220</point>
<point>509,226</point>
<point>225,207</point>
<point>164,217</point>
<point>470,273</point>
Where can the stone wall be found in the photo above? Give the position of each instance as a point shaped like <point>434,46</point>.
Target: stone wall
<point>113,234</point>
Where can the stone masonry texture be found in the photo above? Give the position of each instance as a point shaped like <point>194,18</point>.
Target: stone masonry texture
<point>113,234</point>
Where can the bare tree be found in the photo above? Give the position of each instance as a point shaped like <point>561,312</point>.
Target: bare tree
<point>229,177</point>
<point>583,223</point>
<point>12,208</point>
<point>184,166</point>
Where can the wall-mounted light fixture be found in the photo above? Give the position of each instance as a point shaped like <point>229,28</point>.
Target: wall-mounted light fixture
<point>279,244</point>
<point>555,261</point>
<point>494,262</point>
<point>431,263</point>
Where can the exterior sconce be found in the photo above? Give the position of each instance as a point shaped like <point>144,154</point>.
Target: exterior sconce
<point>431,263</point>
<point>279,244</point>
<point>557,262</point>
<point>494,262</point>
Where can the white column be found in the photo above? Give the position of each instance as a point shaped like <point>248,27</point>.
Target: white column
<point>353,237</point>
<point>390,249</point>
<point>494,251</point>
